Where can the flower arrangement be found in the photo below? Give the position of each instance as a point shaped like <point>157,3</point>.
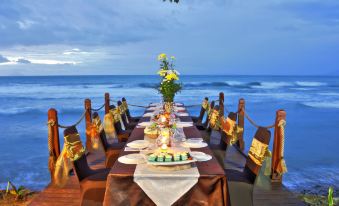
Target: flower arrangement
<point>168,86</point>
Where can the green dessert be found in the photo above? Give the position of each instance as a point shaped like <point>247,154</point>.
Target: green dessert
<point>184,156</point>
<point>152,158</point>
<point>168,158</point>
<point>160,158</point>
<point>176,157</point>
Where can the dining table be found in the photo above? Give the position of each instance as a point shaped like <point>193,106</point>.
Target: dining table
<point>210,188</point>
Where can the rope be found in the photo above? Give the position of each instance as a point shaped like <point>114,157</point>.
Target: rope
<point>96,110</point>
<point>78,122</point>
<point>256,125</point>
<point>50,124</point>
<point>52,157</point>
<point>282,163</point>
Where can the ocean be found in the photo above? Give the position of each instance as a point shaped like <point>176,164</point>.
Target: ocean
<point>311,103</point>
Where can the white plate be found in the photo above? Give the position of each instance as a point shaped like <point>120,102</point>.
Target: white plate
<point>200,156</point>
<point>135,158</point>
<point>183,114</point>
<point>194,140</point>
<point>149,114</point>
<point>138,144</point>
<point>171,163</point>
<point>194,145</point>
<point>144,124</point>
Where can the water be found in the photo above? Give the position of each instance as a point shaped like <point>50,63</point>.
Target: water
<point>311,103</point>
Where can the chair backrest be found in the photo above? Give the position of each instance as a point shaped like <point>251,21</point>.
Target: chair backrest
<point>203,109</point>
<point>208,112</point>
<point>214,118</point>
<point>80,165</point>
<point>123,114</point>
<point>117,124</point>
<point>124,101</point>
<point>257,153</point>
<point>227,128</point>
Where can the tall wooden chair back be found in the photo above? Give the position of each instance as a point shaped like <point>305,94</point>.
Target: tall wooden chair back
<point>257,153</point>
<point>80,164</point>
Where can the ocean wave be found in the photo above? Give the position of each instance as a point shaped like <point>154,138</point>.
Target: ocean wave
<point>325,105</point>
<point>30,110</point>
<point>272,85</point>
<point>310,84</point>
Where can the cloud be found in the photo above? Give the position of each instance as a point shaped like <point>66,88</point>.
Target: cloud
<point>220,36</point>
<point>25,24</point>
<point>3,59</point>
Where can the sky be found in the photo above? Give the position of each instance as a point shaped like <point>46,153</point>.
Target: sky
<point>245,37</point>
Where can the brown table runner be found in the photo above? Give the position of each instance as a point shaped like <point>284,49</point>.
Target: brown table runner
<point>211,188</point>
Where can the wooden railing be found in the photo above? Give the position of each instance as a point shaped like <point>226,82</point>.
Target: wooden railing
<point>278,141</point>
<point>278,144</point>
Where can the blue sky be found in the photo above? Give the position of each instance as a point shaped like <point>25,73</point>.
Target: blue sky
<point>274,37</point>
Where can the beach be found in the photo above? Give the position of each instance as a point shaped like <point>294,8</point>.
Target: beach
<point>311,103</point>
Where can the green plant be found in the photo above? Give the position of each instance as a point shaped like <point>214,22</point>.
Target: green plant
<point>20,194</point>
<point>330,196</point>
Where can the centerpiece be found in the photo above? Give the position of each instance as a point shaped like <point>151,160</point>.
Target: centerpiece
<point>169,84</point>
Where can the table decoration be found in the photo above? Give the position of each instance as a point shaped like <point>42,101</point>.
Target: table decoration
<point>168,86</point>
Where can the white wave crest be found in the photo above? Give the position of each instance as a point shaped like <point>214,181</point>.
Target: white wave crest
<point>328,105</point>
<point>310,84</point>
<point>273,85</point>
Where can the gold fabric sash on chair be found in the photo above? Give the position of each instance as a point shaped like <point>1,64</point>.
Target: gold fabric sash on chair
<point>205,104</point>
<point>122,110</point>
<point>258,151</point>
<point>72,150</point>
<point>214,120</point>
<point>117,117</point>
<point>109,126</point>
<point>94,132</point>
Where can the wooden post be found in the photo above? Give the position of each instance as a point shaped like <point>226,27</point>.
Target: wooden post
<point>241,123</point>
<point>53,140</point>
<point>221,104</point>
<point>278,147</point>
<point>88,119</point>
<point>106,103</point>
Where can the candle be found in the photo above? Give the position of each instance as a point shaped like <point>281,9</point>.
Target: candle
<point>164,147</point>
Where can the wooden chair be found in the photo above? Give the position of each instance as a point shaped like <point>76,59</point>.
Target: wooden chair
<point>204,126</point>
<point>219,150</point>
<point>113,150</point>
<point>130,118</point>
<point>128,125</point>
<point>241,183</point>
<point>92,182</point>
<point>122,134</point>
<point>198,119</point>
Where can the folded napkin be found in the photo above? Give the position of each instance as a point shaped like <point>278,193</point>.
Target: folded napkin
<point>184,124</point>
<point>144,124</point>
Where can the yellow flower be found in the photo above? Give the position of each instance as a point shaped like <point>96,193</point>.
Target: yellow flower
<point>162,72</point>
<point>162,57</point>
<point>172,76</point>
